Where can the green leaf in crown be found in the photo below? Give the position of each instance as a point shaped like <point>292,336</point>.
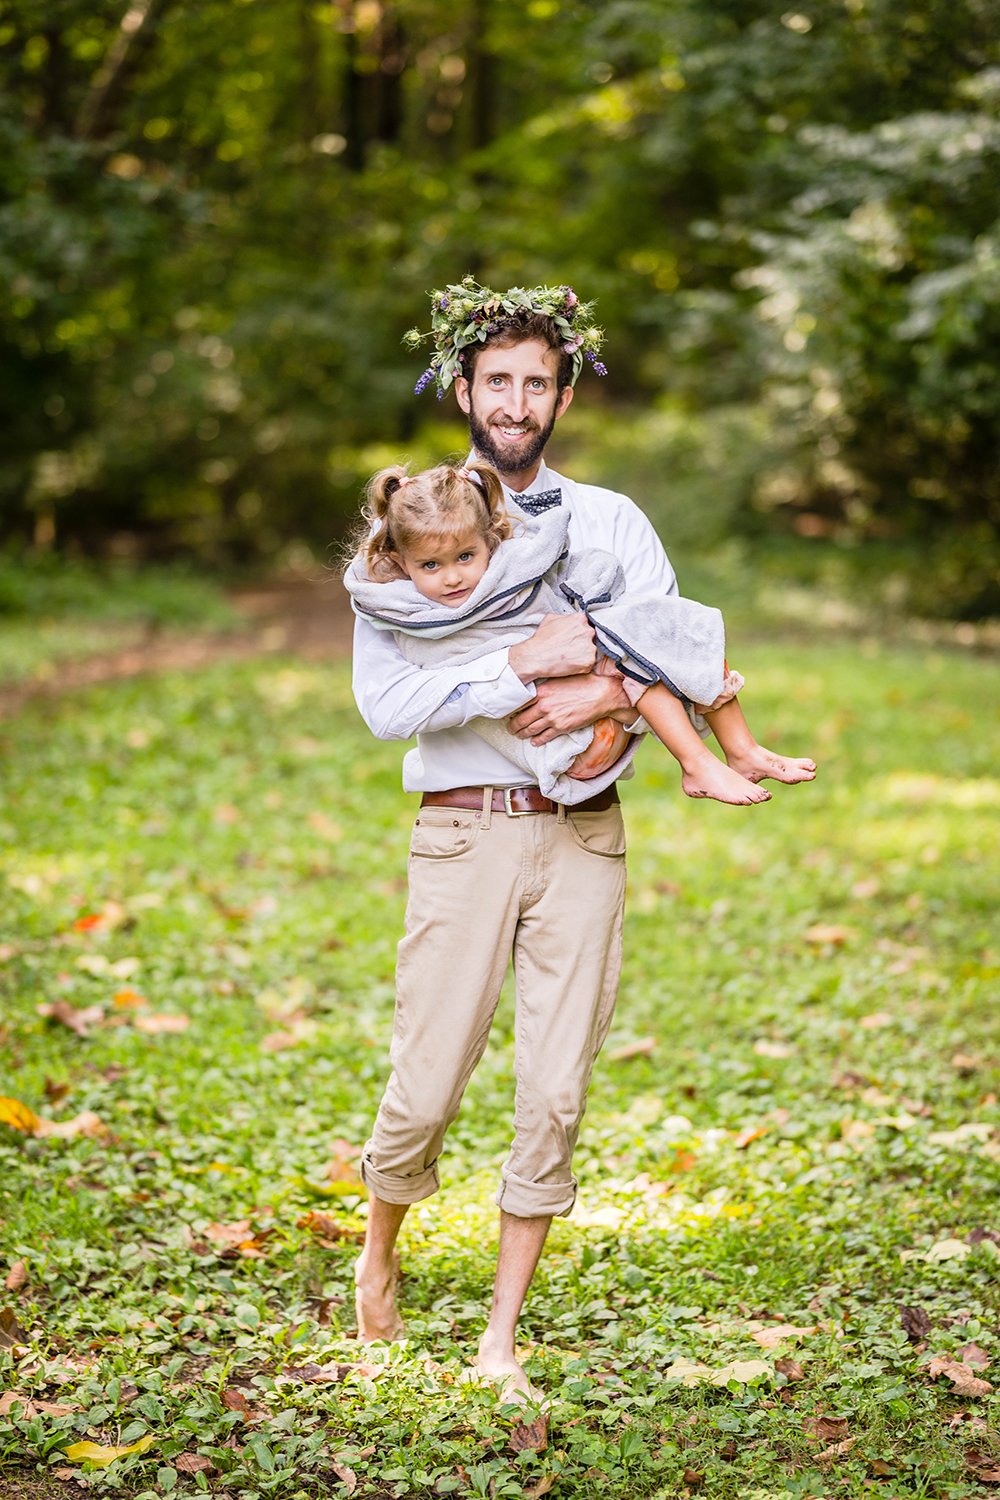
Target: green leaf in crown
<point>465,313</point>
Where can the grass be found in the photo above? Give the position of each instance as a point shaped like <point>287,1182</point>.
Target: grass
<point>794,1122</point>
<point>55,610</point>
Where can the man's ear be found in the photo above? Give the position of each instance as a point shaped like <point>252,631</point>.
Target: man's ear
<point>462,393</point>
<point>565,397</point>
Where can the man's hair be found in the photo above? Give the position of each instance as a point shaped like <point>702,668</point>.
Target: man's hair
<point>519,330</point>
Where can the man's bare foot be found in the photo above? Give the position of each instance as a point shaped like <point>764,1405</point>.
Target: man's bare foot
<point>500,1369</point>
<point>375,1302</point>
<point>755,764</point>
<point>708,777</point>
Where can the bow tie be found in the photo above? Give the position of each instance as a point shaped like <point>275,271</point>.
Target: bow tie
<point>534,505</point>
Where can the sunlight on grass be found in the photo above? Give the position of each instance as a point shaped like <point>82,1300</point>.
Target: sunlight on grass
<point>797,1104</point>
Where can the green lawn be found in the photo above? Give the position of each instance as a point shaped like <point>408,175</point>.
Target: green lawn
<point>805,1132</point>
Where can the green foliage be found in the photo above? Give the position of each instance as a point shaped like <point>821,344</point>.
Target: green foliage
<point>217,221</point>
<point>801,1160</point>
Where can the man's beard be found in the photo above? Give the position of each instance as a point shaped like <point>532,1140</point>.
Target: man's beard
<point>500,455</point>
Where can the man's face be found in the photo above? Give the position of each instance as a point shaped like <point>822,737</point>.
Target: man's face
<point>513,404</point>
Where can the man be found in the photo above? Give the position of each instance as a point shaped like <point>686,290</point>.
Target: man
<point>496,870</point>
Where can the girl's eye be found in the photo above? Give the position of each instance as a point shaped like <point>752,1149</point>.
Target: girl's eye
<point>430,565</point>
<point>465,557</point>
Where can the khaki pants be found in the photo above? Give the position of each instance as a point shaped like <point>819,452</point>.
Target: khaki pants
<point>547,888</point>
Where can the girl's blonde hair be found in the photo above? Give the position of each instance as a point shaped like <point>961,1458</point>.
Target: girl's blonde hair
<point>403,509</point>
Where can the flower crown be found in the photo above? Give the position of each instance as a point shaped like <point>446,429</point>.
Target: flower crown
<point>467,313</point>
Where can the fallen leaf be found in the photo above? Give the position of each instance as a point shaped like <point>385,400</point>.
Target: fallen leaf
<point>764,1048</point>
<point>856,1132</point>
<point>915,1323</point>
<point>790,1368</point>
<point>770,1338</point>
<point>836,1450</point>
<point>948,1250</point>
<point>983,1465</point>
<point>979,1236</point>
<point>327,1374</point>
<point>328,1228</point>
<point>324,826</point>
<point>100,1457</point>
<point>300,1029</point>
<point>529,1437</point>
<point>876,1021</point>
<point>78,1019</point>
<point>741,1370</point>
<point>11,1332</point>
<point>226,813</point>
<point>972,1355</point>
<point>687,1371</point>
<point>157,1025</point>
<point>87,1124</point>
<point>233,1399</point>
<point>964,1380</point>
<point>347,1477</point>
<point>829,1429</point>
<point>17,1276</point>
<point>128,999</point>
<point>693,1477</point>
<point>18,1116</point>
<point>747,1134</point>
<point>229,1240</point>
<point>973,1131</point>
<point>964,1064</point>
<point>192,1463</point>
<point>540,1487</point>
<point>824,934</point>
<point>31,1407</point>
<point>642,1048</point>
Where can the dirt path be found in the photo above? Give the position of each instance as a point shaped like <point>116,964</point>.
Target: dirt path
<point>310,619</point>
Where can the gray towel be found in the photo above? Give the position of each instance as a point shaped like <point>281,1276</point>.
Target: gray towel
<point>664,639</point>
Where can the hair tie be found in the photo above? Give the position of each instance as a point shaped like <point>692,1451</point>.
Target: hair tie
<point>471,476</point>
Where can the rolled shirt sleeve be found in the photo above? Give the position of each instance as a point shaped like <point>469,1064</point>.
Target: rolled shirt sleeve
<point>398,700</point>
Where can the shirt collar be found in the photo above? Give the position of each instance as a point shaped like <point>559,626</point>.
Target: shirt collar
<point>545,479</point>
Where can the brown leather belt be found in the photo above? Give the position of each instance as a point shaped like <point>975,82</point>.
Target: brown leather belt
<point>515,801</point>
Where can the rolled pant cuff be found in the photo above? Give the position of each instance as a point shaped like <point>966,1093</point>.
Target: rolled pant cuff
<point>535,1200</point>
<point>392,1189</point>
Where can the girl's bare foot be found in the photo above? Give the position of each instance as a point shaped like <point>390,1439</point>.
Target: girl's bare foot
<point>755,763</point>
<point>708,777</point>
<point>375,1302</point>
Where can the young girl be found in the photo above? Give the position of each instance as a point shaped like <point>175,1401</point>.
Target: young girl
<point>444,564</point>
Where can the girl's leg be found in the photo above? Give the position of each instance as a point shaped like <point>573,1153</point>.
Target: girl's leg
<point>608,745</point>
<point>743,753</point>
<point>703,774</point>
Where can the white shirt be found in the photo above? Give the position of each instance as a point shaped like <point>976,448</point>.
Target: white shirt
<point>398,700</point>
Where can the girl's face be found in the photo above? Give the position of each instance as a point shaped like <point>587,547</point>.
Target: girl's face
<point>446,569</point>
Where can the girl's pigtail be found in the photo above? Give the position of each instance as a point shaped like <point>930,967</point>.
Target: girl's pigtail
<point>488,482</point>
<point>377,543</point>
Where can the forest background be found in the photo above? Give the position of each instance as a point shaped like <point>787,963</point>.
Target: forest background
<point>218,219</point>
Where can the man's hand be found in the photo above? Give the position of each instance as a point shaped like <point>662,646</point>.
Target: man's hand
<point>565,703</point>
<point>562,646</point>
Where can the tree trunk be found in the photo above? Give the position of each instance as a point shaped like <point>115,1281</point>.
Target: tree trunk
<point>135,41</point>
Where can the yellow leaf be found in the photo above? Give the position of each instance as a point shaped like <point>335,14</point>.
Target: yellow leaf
<point>948,1250</point>
<point>777,1333</point>
<point>18,1116</point>
<point>687,1371</point>
<point>94,1453</point>
<point>741,1370</point>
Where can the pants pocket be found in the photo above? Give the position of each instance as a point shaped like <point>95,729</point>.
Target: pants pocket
<point>601,833</point>
<point>444,832</point>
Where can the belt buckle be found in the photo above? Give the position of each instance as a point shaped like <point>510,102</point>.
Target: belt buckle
<point>514,812</point>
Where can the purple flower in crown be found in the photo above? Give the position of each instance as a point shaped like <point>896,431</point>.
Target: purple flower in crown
<point>573,344</point>
<point>443,303</point>
<point>599,367</point>
<point>571,299</point>
<point>424,381</point>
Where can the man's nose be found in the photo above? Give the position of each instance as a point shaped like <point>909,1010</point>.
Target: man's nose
<point>517,404</point>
